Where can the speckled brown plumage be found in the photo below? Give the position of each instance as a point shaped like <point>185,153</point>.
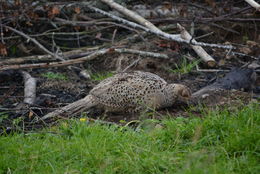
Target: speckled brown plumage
<point>128,92</point>
<point>134,91</point>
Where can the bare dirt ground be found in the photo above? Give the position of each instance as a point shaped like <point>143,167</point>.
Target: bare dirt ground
<point>53,93</point>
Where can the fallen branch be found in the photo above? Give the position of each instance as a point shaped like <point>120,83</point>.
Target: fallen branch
<point>173,37</point>
<point>81,52</point>
<point>131,14</point>
<point>184,34</point>
<point>141,53</point>
<point>24,59</point>
<point>34,41</point>
<point>253,4</point>
<point>83,59</point>
<point>56,64</point>
<point>198,49</point>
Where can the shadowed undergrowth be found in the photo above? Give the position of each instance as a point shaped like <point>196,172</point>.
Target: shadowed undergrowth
<point>221,142</point>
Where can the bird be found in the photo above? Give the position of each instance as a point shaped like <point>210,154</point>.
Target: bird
<point>129,92</point>
<point>133,91</point>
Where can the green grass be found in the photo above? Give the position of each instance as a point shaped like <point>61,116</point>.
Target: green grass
<point>52,75</point>
<point>221,142</point>
<point>3,115</point>
<point>185,67</point>
<point>101,76</point>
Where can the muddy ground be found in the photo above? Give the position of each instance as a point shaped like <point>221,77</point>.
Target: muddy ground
<point>53,92</point>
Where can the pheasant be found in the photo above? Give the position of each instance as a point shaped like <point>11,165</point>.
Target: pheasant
<point>129,92</point>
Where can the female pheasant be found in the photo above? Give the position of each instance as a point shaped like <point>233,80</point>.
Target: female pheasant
<point>133,91</point>
<point>129,92</point>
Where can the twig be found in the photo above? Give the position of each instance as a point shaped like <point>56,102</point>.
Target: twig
<point>131,14</point>
<point>34,41</point>
<point>173,37</point>
<point>253,4</point>
<point>142,53</point>
<point>1,31</point>
<point>132,64</point>
<point>210,70</point>
<point>204,20</point>
<point>49,34</point>
<point>198,49</point>
<point>224,28</point>
<point>201,7</point>
<point>113,37</point>
<point>242,54</point>
<point>84,23</point>
<point>205,35</point>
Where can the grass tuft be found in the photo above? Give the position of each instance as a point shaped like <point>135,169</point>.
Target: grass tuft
<point>221,142</point>
<point>101,76</point>
<point>55,76</point>
<point>185,67</point>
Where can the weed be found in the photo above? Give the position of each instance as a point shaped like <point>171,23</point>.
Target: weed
<point>3,116</point>
<point>184,67</point>
<point>101,76</point>
<point>57,76</point>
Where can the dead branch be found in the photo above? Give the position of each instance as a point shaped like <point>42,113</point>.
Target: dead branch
<point>173,37</point>
<point>34,41</point>
<point>83,59</point>
<point>203,20</point>
<point>198,49</point>
<point>29,88</point>
<point>131,14</point>
<point>253,4</point>
<point>24,59</point>
<point>81,52</point>
<point>132,64</point>
<point>141,53</point>
<point>184,34</point>
<point>56,64</point>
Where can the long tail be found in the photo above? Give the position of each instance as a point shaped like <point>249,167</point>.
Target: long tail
<point>72,109</point>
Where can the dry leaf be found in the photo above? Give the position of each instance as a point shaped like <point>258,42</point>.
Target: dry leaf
<point>29,23</point>
<point>98,36</point>
<point>173,46</point>
<point>167,5</point>
<point>245,50</point>
<point>3,50</point>
<point>33,15</point>
<point>111,50</point>
<point>212,3</point>
<point>77,28</point>
<point>53,12</point>
<point>221,62</point>
<point>18,2</point>
<point>30,114</point>
<point>77,10</point>
<point>251,43</point>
